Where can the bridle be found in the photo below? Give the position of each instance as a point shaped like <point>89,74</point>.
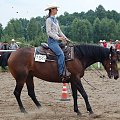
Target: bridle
<point>111,62</point>
<point>110,58</point>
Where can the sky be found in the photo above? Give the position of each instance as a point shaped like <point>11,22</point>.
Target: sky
<point>32,8</point>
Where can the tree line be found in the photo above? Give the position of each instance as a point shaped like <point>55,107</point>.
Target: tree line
<point>85,27</point>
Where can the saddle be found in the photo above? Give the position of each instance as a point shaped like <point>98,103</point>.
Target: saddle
<point>50,56</point>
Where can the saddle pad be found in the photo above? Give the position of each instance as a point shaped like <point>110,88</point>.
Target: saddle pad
<point>38,57</point>
<point>42,54</point>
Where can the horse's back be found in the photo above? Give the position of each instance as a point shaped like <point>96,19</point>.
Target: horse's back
<point>22,63</point>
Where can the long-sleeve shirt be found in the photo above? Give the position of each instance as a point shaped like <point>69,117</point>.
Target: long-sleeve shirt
<point>13,46</point>
<point>53,29</point>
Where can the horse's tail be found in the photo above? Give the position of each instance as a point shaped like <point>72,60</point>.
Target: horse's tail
<point>4,59</point>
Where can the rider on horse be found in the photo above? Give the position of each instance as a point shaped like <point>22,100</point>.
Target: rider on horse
<point>55,38</point>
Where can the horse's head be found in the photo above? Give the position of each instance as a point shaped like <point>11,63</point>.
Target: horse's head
<point>110,64</point>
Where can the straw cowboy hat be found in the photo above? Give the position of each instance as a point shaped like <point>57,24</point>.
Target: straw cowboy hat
<point>100,41</point>
<point>117,41</point>
<point>50,7</point>
<point>12,40</point>
<point>104,40</point>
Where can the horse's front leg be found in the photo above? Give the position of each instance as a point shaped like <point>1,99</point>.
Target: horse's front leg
<point>74,94</point>
<point>31,92</point>
<point>84,95</point>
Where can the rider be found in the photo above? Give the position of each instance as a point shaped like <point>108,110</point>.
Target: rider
<point>55,37</point>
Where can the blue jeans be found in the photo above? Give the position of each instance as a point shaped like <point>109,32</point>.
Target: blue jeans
<point>54,46</point>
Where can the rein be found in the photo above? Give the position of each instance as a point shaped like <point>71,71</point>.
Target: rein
<point>101,75</point>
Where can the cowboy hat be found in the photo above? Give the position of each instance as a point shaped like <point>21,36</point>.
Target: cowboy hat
<point>50,7</point>
<point>104,40</point>
<point>12,40</point>
<point>116,40</point>
<point>100,41</point>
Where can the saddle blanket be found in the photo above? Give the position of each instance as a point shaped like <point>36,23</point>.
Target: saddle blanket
<point>38,57</point>
<point>43,53</point>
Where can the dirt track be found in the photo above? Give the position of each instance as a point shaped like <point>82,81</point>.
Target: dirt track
<point>105,100</point>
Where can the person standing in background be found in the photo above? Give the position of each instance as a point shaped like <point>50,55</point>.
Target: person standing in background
<point>101,43</point>
<point>104,43</point>
<point>117,45</point>
<point>13,45</point>
<point>110,44</point>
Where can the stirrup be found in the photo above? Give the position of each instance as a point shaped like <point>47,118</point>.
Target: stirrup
<point>65,79</point>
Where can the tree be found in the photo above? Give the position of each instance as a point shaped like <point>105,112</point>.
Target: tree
<point>24,23</point>
<point>79,30</point>
<point>96,30</point>
<point>32,29</point>
<point>66,20</point>
<point>89,31</point>
<point>100,12</point>
<point>115,15</point>
<point>1,31</point>
<point>104,29</point>
<point>90,16</point>
<point>117,36</point>
<point>14,29</point>
<point>9,30</point>
<point>112,29</point>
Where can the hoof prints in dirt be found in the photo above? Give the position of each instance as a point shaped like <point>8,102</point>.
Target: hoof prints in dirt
<point>105,101</point>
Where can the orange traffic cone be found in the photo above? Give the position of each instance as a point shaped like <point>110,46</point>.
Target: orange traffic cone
<point>64,96</point>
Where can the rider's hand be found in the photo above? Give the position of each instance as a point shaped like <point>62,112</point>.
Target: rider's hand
<point>68,40</point>
<point>62,39</point>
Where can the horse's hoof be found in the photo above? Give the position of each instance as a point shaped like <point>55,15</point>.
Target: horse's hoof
<point>24,111</point>
<point>39,106</point>
<point>92,115</point>
<point>91,112</point>
<point>79,113</point>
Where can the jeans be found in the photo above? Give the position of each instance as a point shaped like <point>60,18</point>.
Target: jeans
<point>54,46</point>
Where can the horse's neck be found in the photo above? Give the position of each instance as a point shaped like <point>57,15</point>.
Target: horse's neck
<point>93,59</point>
<point>89,55</point>
<point>87,62</point>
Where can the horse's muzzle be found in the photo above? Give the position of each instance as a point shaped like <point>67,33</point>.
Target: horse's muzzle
<point>115,76</point>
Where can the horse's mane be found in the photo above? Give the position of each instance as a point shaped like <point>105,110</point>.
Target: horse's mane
<point>91,51</point>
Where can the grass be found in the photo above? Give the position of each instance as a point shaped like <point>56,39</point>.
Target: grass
<point>95,66</point>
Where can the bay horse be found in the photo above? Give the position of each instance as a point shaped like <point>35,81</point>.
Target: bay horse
<point>23,68</point>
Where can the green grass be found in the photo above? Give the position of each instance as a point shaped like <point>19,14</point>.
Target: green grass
<point>95,66</point>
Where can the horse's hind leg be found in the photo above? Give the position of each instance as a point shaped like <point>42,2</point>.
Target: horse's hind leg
<point>17,93</point>
<point>31,92</point>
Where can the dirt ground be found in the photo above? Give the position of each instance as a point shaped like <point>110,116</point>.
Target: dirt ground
<point>105,99</point>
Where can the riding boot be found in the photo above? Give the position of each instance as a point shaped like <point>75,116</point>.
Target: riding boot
<point>65,77</point>
<point>66,73</point>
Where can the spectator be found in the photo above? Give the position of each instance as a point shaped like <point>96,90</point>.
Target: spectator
<point>104,44</point>
<point>13,45</point>
<point>4,46</point>
<point>117,45</point>
<point>110,44</point>
<point>101,43</point>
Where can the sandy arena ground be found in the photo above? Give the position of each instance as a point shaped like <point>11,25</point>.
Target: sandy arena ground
<point>105,100</point>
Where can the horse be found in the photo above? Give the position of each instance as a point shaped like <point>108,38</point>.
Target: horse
<point>3,55</point>
<point>23,68</point>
